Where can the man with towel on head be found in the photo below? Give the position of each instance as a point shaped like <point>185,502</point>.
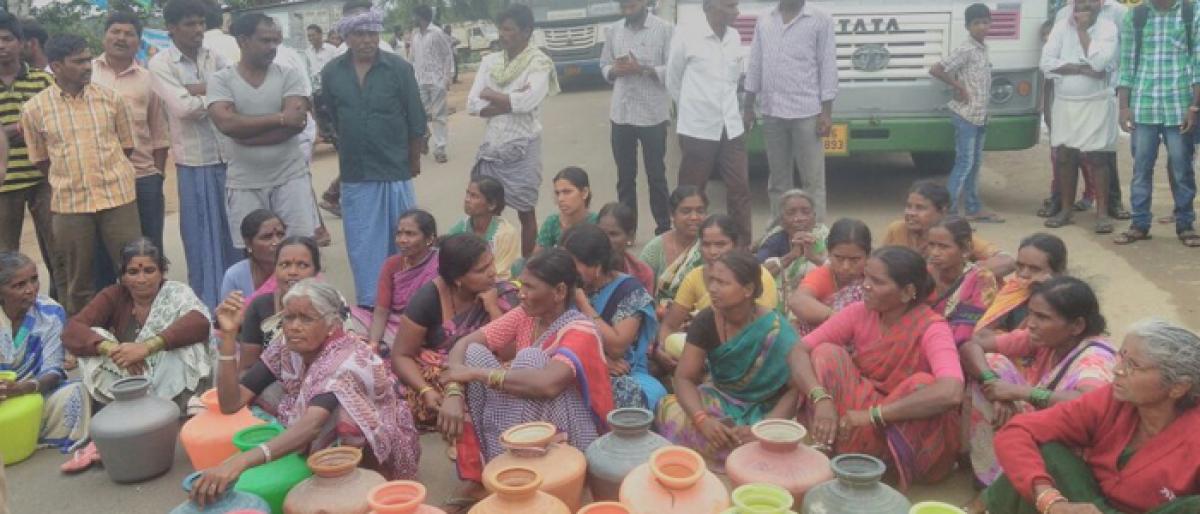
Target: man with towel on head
<point>379,143</point>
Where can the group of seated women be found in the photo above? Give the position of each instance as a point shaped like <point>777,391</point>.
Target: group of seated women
<point>929,351</point>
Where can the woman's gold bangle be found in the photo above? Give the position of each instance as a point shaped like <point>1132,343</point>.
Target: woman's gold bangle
<point>106,347</point>
<point>155,344</point>
<point>423,390</point>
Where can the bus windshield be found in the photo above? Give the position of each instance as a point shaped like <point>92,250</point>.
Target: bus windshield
<point>562,10</point>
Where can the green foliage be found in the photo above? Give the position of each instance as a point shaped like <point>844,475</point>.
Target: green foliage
<point>83,18</point>
<point>399,12</point>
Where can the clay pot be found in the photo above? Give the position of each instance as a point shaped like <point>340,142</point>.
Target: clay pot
<point>338,485</point>
<point>20,422</point>
<point>136,433</point>
<point>856,490</point>
<point>562,468</point>
<point>400,497</point>
<point>935,508</point>
<point>615,454</point>
<point>778,457</point>
<point>517,491</point>
<point>605,508</point>
<point>231,501</point>
<point>761,499</point>
<point>208,437</point>
<point>675,480</point>
<point>273,480</point>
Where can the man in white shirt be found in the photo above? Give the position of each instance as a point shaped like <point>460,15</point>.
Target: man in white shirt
<point>433,61</point>
<point>1113,11</point>
<point>703,71</point>
<point>317,54</point>
<point>1079,57</point>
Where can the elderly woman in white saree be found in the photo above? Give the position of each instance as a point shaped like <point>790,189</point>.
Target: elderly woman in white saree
<point>145,325</point>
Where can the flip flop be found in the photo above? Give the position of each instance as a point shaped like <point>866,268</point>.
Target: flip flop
<point>1189,238</point>
<point>1104,225</point>
<point>1062,219</point>
<point>1119,213</point>
<point>1132,235</point>
<point>81,460</point>
<point>333,208</point>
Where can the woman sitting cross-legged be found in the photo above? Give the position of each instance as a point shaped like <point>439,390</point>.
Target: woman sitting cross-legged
<point>262,232</point>
<point>415,264</point>
<point>830,288</point>
<point>335,391</point>
<point>1040,257</point>
<point>462,298</point>
<point>296,258</point>
<point>542,361</point>
<point>719,235</point>
<point>620,223</point>
<point>145,325</point>
<point>742,346</point>
<point>795,245</point>
<point>623,313</point>
<point>483,204</point>
<point>963,290</point>
<point>573,194</point>
<point>31,328</point>
<point>1126,447</point>
<point>1061,355</point>
<point>928,203</point>
<point>676,252</point>
<point>883,376</point>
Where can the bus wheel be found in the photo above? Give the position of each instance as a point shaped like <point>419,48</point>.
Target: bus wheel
<point>933,163</point>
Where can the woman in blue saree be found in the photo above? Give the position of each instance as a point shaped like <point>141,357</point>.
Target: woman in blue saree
<point>744,349</point>
<point>623,312</point>
<point>31,347</point>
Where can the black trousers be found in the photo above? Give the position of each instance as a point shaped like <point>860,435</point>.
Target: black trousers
<point>625,139</point>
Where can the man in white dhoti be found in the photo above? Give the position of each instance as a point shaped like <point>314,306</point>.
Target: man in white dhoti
<point>1080,56</point>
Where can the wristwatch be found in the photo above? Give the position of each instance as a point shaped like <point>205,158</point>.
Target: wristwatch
<point>1194,108</point>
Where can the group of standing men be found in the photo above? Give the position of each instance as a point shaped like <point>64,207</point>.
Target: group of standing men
<point>791,78</point>
<point>1147,54</point>
<point>89,140</point>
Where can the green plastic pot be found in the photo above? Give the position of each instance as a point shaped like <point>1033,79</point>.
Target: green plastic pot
<point>761,499</point>
<point>271,481</point>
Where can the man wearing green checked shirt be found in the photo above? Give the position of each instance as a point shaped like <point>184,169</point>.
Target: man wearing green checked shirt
<point>1159,96</point>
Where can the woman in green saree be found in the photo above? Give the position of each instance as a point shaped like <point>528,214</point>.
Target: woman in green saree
<point>744,347</point>
<point>675,252</point>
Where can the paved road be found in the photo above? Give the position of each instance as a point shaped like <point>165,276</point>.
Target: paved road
<point>1156,277</point>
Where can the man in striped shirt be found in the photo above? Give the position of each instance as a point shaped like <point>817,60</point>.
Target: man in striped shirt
<point>23,186</point>
<point>793,74</point>
<point>80,135</point>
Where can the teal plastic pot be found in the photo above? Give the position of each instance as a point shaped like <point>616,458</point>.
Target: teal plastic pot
<point>271,481</point>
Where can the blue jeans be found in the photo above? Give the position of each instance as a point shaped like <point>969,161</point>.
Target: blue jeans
<point>968,156</point>
<point>1180,149</point>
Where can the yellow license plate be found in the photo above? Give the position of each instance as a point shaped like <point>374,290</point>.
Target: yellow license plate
<point>837,142</point>
<point>572,71</point>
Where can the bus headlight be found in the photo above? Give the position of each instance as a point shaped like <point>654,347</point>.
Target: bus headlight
<point>1002,90</point>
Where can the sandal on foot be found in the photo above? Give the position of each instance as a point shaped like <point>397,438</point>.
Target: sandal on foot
<point>1132,235</point>
<point>1104,225</point>
<point>1189,238</point>
<point>1082,206</point>
<point>1049,208</point>
<point>1119,213</point>
<point>1063,218</point>
<point>81,460</point>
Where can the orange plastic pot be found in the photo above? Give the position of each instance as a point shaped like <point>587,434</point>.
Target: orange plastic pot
<point>208,437</point>
<point>562,467</point>
<point>675,481</point>
<point>400,497</point>
<point>778,457</point>
<point>517,492</point>
<point>605,508</point>
<point>338,485</point>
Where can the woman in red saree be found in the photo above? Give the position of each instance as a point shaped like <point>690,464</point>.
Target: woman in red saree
<point>883,377</point>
